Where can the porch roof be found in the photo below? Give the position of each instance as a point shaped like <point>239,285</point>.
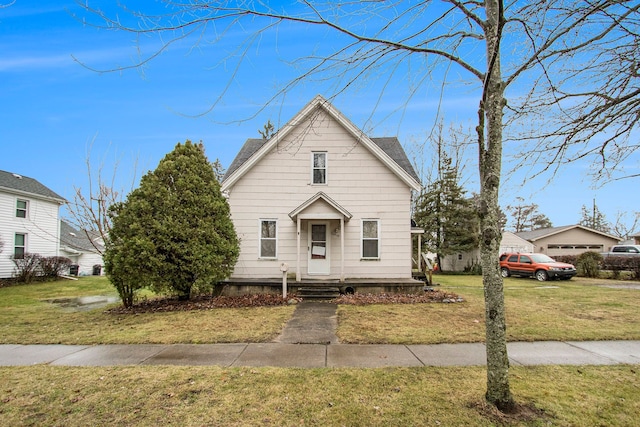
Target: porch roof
<point>335,211</point>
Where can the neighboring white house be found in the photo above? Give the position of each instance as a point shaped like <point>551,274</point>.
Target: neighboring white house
<point>29,219</point>
<point>323,198</point>
<point>510,243</point>
<point>76,246</point>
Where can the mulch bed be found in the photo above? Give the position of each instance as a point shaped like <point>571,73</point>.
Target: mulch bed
<point>419,298</point>
<point>207,302</point>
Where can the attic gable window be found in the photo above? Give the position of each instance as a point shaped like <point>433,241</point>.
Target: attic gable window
<point>319,167</point>
<point>21,209</point>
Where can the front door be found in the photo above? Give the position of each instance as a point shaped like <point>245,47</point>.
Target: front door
<point>319,248</point>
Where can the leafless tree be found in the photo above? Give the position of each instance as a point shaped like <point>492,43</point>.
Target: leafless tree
<point>88,210</point>
<point>623,227</point>
<point>584,100</point>
<point>395,40</point>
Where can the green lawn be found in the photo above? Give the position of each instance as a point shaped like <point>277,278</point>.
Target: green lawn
<point>577,310</point>
<point>217,396</point>
<point>27,318</point>
<point>562,310</point>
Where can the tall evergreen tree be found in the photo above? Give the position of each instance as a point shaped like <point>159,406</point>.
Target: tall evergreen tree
<point>175,230</point>
<point>594,219</point>
<point>526,217</point>
<point>447,215</point>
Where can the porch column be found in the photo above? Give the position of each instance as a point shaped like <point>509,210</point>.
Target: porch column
<point>298,276</point>
<point>419,258</point>
<point>342,249</point>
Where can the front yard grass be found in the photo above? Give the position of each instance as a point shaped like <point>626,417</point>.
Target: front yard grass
<point>560,310</point>
<point>27,318</point>
<point>216,396</point>
<point>196,395</point>
<point>577,309</point>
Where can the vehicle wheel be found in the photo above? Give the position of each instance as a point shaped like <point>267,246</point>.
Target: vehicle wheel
<point>505,272</point>
<point>541,275</point>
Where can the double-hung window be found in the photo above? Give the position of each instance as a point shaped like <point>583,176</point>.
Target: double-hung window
<point>370,239</point>
<point>20,246</point>
<point>268,238</point>
<point>21,208</point>
<point>319,167</point>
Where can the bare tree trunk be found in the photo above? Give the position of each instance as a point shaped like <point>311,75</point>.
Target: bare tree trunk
<point>490,117</point>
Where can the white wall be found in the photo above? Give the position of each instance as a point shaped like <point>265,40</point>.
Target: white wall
<point>41,227</point>
<point>85,261</point>
<point>356,180</point>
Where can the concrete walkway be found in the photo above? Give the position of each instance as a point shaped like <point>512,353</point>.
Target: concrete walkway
<point>309,341</point>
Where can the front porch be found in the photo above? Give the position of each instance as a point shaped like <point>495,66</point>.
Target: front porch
<point>348,286</point>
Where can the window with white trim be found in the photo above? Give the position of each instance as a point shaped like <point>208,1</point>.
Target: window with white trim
<point>370,239</point>
<point>319,167</point>
<point>268,238</point>
<point>21,208</point>
<point>20,246</point>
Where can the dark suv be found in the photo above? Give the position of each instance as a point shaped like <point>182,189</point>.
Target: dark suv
<point>539,266</point>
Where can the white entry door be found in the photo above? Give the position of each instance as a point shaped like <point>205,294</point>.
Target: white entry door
<point>319,249</point>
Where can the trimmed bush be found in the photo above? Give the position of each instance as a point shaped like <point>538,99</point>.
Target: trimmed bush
<point>27,267</point>
<point>588,264</point>
<point>622,263</point>
<point>54,266</point>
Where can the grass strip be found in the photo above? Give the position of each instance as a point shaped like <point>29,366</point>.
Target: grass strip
<point>189,396</point>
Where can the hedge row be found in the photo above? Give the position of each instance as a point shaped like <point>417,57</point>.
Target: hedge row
<point>589,264</point>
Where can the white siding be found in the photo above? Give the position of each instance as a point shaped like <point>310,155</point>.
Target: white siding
<point>41,227</point>
<point>85,261</point>
<point>356,180</point>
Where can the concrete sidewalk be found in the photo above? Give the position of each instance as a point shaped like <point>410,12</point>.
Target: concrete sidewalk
<point>309,340</point>
<point>319,355</point>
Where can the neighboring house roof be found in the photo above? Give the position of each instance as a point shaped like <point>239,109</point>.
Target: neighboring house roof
<point>75,239</point>
<point>541,233</point>
<point>16,183</point>
<point>387,149</point>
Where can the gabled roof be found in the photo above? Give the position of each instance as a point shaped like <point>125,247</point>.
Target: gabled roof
<point>388,150</point>
<point>540,233</point>
<point>320,196</point>
<point>19,184</point>
<point>75,239</point>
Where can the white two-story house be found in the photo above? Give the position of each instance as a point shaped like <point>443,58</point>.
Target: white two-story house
<point>29,219</point>
<point>323,199</point>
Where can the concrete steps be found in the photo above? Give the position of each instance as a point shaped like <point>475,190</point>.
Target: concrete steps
<point>319,293</point>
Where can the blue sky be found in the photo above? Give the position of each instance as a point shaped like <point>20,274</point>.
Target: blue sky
<point>53,110</point>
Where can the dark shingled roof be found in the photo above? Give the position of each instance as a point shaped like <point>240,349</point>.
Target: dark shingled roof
<point>248,149</point>
<point>25,184</point>
<point>75,239</point>
<point>390,145</point>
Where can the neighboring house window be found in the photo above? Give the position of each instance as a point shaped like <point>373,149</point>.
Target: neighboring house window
<point>370,239</point>
<point>21,209</point>
<point>319,168</point>
<point>268,238</point>
<point>20,246</point>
